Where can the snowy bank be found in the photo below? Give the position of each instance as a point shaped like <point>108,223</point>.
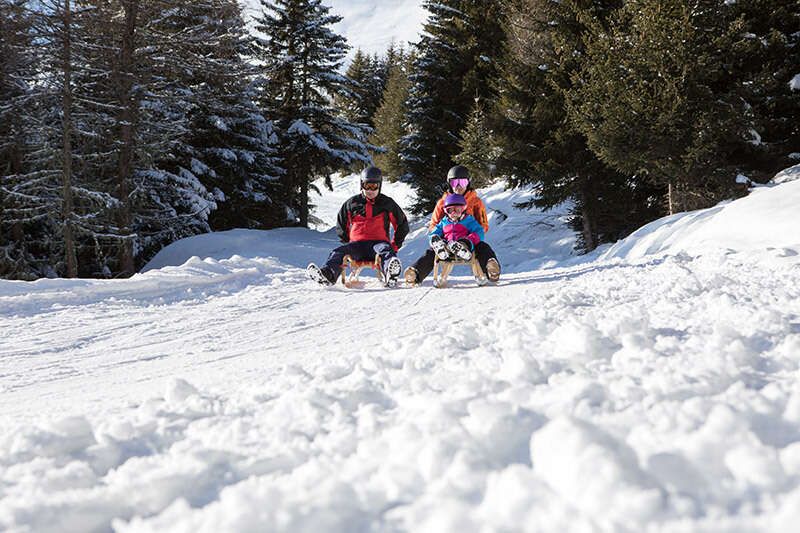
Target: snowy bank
<point>767,219</point>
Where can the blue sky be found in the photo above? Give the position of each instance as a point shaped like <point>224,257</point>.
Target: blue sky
<point>372,24</point>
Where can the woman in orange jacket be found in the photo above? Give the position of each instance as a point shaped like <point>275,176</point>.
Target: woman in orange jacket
<point>458,183</point>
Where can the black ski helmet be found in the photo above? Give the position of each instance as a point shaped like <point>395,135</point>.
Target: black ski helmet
<point>458,172</point>
<point>371,175</point>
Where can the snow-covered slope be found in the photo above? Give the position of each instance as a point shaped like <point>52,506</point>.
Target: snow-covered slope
<point>766,220</point>
<point>221,391</point>
<point>789,174</point>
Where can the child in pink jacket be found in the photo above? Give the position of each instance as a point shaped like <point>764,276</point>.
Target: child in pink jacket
<point>457,234</point>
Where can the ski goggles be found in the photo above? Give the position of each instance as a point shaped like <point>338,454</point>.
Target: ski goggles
<point>459,182</point>
<point>371,186</point>
<point>455,209</point>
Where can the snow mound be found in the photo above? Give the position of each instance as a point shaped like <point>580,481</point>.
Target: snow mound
<point>294,246</point>
<point>765,220</point>
<point>787,175</point>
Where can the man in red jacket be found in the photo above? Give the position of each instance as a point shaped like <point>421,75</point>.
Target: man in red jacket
<point>363,224</point>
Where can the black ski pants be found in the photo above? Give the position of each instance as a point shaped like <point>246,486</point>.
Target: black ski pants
<point>359,251</point>
<point>424,265</point>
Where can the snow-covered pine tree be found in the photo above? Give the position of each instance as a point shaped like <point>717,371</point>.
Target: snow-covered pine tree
<point>161,201</point>
<point>227,143</point>
<point>765,59</point>
<point>96,116</point>
<point>127,123</point>
<point>395,56</point>
<point>301,58</point>
<point>376,84</point>
<point>454,63</point>
<point>17,68</point>
<point>23,202</point>
<point>369,76</point>
<point>59,198</point>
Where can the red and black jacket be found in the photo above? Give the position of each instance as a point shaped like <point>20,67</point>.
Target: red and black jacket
<point>369,220</point>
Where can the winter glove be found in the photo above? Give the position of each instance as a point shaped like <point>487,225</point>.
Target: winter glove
<point>439,248</point>
<point>462,249</point>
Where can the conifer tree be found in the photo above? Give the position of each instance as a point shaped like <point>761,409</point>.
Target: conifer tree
<point>657,98</point>
<point>479,152</point>
<point>227,143</point>
<point>369,75</point>
<point>396,56</point>
<point>16,70</point>
<point>355,103</point>
<point>21,204</point>
<point>453,65</point>
<point>181,93</point>
<point>129,120</point>
<point>59,200</point>
<point>539,144</point>
<point>765,60</point>
<point>376,84</point>
<point>390,116</point>
<point>301,56</point>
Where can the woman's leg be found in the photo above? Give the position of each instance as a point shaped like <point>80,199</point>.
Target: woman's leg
<point>424,265</point>
<point>484,253</point>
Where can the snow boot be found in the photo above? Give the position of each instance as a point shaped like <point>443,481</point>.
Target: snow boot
<point>411,276</point>
<point>458,249</point>
<point>493,270</point>
<point>392,270</point>
<point>321,275</point>
<point>439,248</point>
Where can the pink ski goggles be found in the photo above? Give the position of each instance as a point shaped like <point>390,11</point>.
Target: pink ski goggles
<point>459,182</point>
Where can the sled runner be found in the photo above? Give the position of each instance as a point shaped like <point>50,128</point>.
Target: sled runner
<point>442,269</point>
<point>355,268</point>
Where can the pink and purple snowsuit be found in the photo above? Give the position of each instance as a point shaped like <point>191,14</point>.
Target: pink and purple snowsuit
<point>467,228</point>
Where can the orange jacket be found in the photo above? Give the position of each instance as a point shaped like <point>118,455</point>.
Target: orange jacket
<point>475,208</point>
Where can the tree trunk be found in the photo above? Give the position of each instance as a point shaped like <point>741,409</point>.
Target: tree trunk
<point>589,234</point>
<point>126,121</point>
<point>17,234</point>
<point>588,219</point>
<point>671,198</point>
<point>67,206</point>
<point>304,202</point>
<point>306,176</point>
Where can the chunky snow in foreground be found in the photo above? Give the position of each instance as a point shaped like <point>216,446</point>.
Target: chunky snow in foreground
<point>653,386</point>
